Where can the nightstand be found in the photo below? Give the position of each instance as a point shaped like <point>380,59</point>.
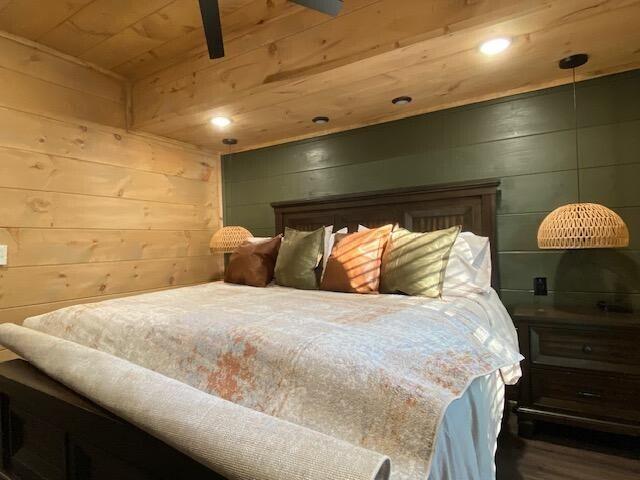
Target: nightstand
<point>581,368</point>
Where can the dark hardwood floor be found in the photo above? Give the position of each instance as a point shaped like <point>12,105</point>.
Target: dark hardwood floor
<point>565,453</point>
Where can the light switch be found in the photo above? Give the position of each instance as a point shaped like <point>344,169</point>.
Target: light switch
<point>3,255</point>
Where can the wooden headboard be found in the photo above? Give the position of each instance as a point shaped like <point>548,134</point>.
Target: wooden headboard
<point>420,209</point>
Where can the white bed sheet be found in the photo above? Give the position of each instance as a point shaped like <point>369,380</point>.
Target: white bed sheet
<point>467,441</point>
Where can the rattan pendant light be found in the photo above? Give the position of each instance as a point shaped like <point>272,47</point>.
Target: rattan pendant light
<point>581,225</point>
<point>227,239</point>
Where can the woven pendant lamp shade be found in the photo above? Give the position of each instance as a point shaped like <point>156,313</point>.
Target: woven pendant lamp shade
<point>582,225</point>
<point>227,239</point>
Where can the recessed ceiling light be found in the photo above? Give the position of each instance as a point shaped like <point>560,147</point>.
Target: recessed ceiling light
<point>221,121</point>
<point>495,46</point>
<point>320,120</point>
<point>402,100</point>
<point>230,141</point>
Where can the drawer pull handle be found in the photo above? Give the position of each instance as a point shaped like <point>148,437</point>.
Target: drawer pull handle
<point>589,395</point>
<point>587,349</point>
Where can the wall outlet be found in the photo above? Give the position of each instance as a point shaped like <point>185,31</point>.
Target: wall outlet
<point>540,286</point>
<point>3,255</point>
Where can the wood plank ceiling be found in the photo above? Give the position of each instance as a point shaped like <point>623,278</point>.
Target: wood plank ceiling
<point>286,64</point>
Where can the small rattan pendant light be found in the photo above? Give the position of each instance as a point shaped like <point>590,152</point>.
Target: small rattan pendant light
<point>228,239</point>
<point>581,225</point>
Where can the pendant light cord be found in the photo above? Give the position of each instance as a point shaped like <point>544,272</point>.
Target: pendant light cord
<point>575,113</point>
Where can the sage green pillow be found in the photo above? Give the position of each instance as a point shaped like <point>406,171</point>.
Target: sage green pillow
<point>415,263</point>
<point>299,257</point>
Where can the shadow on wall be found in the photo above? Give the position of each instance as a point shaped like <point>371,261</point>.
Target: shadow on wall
<point>608,272</point>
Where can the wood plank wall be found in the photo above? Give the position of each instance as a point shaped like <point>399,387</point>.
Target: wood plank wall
<point>528,141</point>
<point>36,79</point>
<point>88,210</point>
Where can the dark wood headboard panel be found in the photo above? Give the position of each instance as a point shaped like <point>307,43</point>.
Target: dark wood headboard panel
<point>420,209</point>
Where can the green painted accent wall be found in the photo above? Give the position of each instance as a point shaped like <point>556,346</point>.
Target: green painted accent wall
<point>528,141</point>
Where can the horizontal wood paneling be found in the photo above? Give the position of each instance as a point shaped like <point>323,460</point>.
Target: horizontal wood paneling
<point>350,73</point>
<point>174,20</point>
<point>143,37</point>
<point>99,144</point>
<point>27,208</point>
<point>97,22</point>
<point>580,270</point>
<point>284,63</point>
<point>90,211</point>
<point>527,141</point>
<point>256,216</point>
<point>20,18</point>
<point>504,158</point>
<point>615,186</point>
<point>38,81</point>
<point>611,144</point>
<point>59,72</point>
<point>31,94</point>
<point>537,192</point>
<point>51,246</point>
<point>433,160</point>
<point>32,285</point>
<point>36,171</point>
<point>609,100</point>
<point>518,232</point>
<point>246,25</point>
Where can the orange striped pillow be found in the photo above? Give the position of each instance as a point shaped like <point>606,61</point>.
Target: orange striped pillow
<point>354,264</point>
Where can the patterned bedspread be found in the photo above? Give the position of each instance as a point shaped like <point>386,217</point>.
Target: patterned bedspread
<point>375,370</point>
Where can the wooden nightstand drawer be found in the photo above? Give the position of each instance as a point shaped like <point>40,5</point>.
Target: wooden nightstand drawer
<point>584,348</point>
<point>604,396</point>
<point>581,367</point>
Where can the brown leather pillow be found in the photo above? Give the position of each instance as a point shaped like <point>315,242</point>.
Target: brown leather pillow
<point>354,264</point>
<point>253,263</point>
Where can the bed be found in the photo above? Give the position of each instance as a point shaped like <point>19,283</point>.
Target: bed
<point>328,379</point>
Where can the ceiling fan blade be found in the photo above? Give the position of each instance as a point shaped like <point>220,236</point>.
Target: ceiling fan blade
<point>212,28</point>
<point>330,7</point>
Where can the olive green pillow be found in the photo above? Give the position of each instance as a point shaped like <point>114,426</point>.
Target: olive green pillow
<point>415,263</point>
<point>299,257</point>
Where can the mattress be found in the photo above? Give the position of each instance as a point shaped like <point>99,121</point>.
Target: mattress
<point>418,380</point>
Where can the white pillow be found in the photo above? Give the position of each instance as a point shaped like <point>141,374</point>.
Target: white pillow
<point>469,267</point>
<point>256,240</point>
<point>329,240</point>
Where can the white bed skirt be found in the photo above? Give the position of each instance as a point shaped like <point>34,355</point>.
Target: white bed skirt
<point>467,441</point>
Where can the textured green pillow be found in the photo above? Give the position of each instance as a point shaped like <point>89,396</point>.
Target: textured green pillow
<point>415,263</point>
<point>299,257</point>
